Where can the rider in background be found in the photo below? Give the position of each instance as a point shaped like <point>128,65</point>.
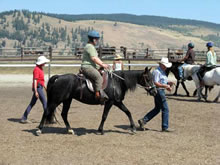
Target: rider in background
<point>211,61</point>
<point>188,59</point>
<point>91,62</point>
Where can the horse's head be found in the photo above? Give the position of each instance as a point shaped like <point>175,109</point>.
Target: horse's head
<point>147,82</point>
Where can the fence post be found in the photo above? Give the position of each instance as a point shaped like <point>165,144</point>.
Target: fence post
<point>129,67</point>
<point>50,56</point>
<point>168,54</point>
<point>22,53</point>
<point>125,52</point>
<point>100,52</point>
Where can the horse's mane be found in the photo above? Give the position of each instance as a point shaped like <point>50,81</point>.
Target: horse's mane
<point>130,79</point>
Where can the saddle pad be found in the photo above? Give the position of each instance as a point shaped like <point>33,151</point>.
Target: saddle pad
<point>104,84</point>
<point>89,85</point>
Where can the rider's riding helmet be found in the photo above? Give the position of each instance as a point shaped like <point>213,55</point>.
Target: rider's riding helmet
<point>191,45</point>
<point>93,34</point>
<point>209,44</point>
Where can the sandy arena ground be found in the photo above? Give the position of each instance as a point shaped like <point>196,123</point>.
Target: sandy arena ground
<point>194,141</point>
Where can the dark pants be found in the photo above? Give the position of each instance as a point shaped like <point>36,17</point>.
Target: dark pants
<point>34,100</point>
<point>203,70</point>
<point>160,104</point>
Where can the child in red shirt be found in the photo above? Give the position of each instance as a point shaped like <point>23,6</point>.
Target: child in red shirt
<point>37,87</point>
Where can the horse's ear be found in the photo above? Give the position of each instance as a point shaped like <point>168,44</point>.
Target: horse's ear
<point>146,70</point>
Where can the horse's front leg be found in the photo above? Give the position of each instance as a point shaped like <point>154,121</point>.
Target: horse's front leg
<point>199,93</point>
<point>216,99</point>
<point>121,106</point>
<point>64,114</point>
<point>107,107</point>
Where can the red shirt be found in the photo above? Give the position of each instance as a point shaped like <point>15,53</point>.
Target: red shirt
<point>38,74</point>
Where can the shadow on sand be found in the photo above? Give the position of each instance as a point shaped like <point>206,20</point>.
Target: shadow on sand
<point>77,131</point>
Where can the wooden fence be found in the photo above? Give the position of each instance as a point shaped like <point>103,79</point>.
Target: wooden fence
<point>105,53</point>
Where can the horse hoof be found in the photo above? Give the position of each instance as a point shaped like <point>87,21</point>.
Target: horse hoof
<point>38,132</point>
<point>100,132</point>
<point>70,131</point>
<point>134,130</point>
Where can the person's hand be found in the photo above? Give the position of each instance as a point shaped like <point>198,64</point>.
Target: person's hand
<point>171,83</point>
<point>36,94</point>
<point>106,66</point>
<point>168,87</point>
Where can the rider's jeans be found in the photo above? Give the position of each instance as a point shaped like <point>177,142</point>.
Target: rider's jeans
<point>160,104</point>
<point>180,69</point>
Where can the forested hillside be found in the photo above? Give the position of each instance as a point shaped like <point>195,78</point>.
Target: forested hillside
<point>34,29</point>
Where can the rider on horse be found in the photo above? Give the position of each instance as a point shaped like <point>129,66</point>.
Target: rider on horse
<point>188,59</point>
<point>90,63</point>
<point>211,61</point>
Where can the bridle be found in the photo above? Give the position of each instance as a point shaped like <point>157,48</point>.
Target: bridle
<point>148,88</point>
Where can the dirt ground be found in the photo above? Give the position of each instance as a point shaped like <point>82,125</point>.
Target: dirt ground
<point>194,141</point>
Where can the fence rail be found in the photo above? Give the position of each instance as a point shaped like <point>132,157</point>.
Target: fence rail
<point>105,53</point>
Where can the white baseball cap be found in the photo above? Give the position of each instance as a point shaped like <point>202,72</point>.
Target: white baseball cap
<point>42,60</point>
<point>165,62</point>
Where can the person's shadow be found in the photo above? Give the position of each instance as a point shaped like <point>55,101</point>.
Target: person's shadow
<point>18,120</point>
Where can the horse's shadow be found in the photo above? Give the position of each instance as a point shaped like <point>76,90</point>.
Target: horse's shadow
<point>77,131</point>
<point>192,100</point>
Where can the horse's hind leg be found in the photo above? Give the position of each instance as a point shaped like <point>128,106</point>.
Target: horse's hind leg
<point>64,114</point>
<point>50,109</point>
<point>107,107</point>
<point>195,93</point>
<point>127,112</point>
<point>177,86</point>
<point>184,87</point>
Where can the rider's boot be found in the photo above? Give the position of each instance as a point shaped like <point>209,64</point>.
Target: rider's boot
<point>102,96</point>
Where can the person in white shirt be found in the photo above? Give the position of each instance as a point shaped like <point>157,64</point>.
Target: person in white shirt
<point>117,63</point>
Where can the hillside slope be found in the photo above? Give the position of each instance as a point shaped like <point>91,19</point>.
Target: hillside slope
<point>37,29</point>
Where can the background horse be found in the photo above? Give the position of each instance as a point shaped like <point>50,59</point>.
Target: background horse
<point>64,88</point>
<point>175,71</point>
<point>210,79</point>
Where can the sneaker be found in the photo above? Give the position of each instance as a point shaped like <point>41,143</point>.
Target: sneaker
<point>23,121</point>
<point>167,130</point>
<point>141,123</point>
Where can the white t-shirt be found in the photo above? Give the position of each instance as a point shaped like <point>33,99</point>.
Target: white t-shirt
<point>118,66</point>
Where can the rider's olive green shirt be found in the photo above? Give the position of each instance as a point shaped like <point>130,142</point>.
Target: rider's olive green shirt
<point>89,51</point>
<point>211,59</point>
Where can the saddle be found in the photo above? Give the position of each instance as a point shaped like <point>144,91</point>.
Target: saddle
<point>90,84</point>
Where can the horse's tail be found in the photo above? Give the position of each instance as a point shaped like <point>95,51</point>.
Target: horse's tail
<point>50,83</point>
<point>51,107</point>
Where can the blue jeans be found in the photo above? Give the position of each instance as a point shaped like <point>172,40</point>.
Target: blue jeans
<point>160,104</point>
<point>34,100</point>
<point>180,69</point>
